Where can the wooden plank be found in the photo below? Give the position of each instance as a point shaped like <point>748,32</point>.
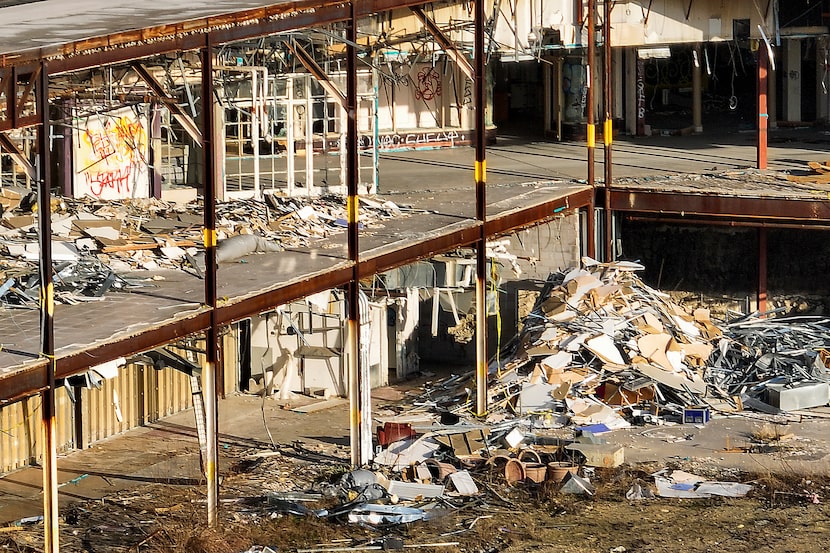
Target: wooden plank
<point>150,246</point>
<point>319,406</point>
<point>818,167</point>
<point>823,178</point>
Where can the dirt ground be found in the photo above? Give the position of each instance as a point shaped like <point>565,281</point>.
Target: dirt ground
<point>786,510</point>
<point>780,515</point>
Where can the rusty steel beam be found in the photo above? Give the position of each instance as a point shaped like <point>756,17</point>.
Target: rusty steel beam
<point>187,122</point>
<point>449,47</point>
<point>732,223</point>
<point>79,361</point>
<point>22,383</point>
<point>233,311</point>
<point>311,65</point>
<point>17,156</point>
<point>238,26</point>
<point>500,224</point>
<point>31,379</point>
<point>719,206</point>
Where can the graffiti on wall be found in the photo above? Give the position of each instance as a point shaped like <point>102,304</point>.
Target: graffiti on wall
<point>641,97</point>
<point>428,85</point>
<point>414,140</point>
<point>574,89</point>
<point>110,156</point>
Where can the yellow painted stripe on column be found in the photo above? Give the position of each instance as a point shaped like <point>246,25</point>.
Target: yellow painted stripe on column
<point>209,237</point>
<point>351,206</point>
<point>481,171</point>
<point>47,299</point>
<point>608,132</point>
<point>592,135</point>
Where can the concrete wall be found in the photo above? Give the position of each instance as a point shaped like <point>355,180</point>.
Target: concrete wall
<point>541,249</point>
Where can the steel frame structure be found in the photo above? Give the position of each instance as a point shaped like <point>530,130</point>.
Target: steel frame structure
<point>24,82</point>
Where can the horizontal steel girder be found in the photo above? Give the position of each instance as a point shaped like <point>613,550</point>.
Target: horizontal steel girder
<point>719,206</point>
<point>31,379</point>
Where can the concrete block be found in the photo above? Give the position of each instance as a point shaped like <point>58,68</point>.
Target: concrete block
<point>600,455</point>
<point>801,395</point>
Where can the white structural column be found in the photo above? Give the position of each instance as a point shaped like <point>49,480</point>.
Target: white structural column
<point>631,91</point>
<point>822,80</point>
<point>772,93</point>
<point>792,80</point>
<point>697,92</point>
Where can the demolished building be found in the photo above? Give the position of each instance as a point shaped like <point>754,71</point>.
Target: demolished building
<point>268,102</point>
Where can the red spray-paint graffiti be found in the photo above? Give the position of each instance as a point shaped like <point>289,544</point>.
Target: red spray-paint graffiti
<point>111,156</point>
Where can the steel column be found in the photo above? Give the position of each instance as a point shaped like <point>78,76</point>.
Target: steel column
<point>762,270</point>
<point>608,131</point>
<point>763,115</point>
<point>352,288</point>
<point>480,174</point>
<point>589,115</point>
<point>47,322</point>
<point>210,370</point>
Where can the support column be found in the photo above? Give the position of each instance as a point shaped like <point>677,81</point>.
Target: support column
<point>559,102</point>
<point>792,80</point>
<point>47,327</point>
<point>762,269</point>
<point>608,130</point>
<point>155,150</point>
<point>763,116</point>
<point>547,94</point>
<point>352,290</point>
<point>822,96</point>
<point>481,213</point>
<point>697,92</point>
<point>772,95</point>
<point>591,128</point>
<point>631,91</point>
<point>209,371</point>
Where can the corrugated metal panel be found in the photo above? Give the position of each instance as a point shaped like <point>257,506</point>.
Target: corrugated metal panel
<point>20,428</point>
<point>138,395</point>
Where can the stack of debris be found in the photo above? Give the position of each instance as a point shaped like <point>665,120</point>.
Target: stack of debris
<point>96,243</point>
<point>602,348</point>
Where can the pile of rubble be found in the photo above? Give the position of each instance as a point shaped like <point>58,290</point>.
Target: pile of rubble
<point>602,347</point>
<point>96,244</point>
<point>601,350</point>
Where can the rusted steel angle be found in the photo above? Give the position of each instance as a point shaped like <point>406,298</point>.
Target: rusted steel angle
<point>238,26</point>
<point>719,205</point>
<point>449,47</point>
<point>79,361</point>
<point>311,65</point>
<point>498,224</point>
<point>29,380</point>
<point>186,120</point>
<point>17,156</point>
